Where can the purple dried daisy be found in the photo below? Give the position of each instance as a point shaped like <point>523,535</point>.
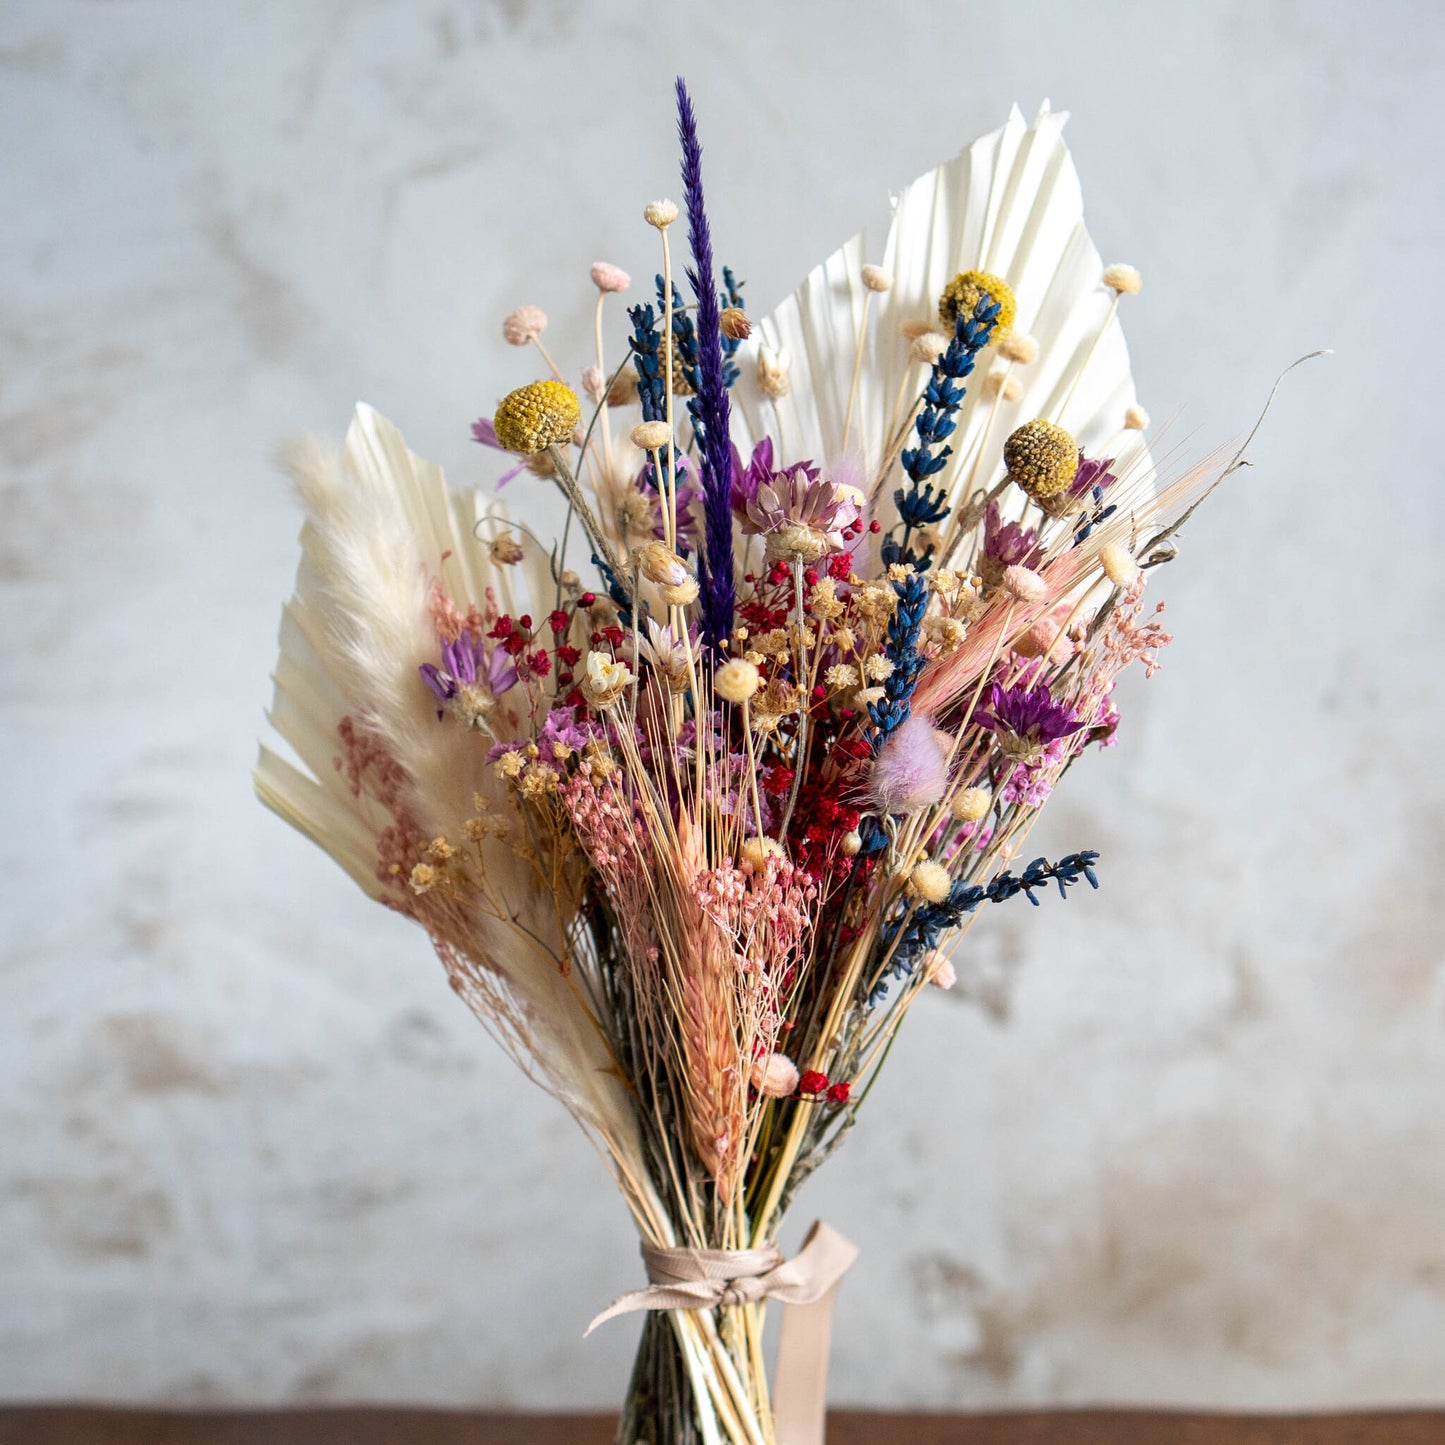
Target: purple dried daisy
<point>1026,720</point>
<point>470,680</point>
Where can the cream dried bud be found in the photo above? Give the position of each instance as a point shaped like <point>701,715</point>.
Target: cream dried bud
<point>1023,584</point>
<point>1119,567</point>
<point>660,564</point>
<point>1123,279</point>
<point>875,278</point>
<point>524,324</point>
<point>651,436</point>
<point>660,214</point>
<point>734,323</point>
<point>1136,418</point>
<point>1000,383</point>
<point>919,326</point>
<point>1020,348</point>
<point>929,881</point>
<point>606,679</point>
<point>736,681</point>
<point>607,277</point>
<point>505,550</point>
<point>622,390</point>
<point>971,804</point>
<point>928,347</point>
<point>851,844</point>
<point>772,376</point>
<point>775,1076</point>
<point>756,851</point>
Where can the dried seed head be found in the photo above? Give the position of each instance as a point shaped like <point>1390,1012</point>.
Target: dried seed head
<point>651,436</point>
<point>1119,567</point>
<point>1041,458</point>
<point>736,681</point>
<point>971,804</point>
<point>607,277</point>
<point>593,382</point>
<point>1123,279</point>
<point>535,417</point>
<point>623,390</point>
<point>660,214</point>
<point>912,330</point>
<point>525,324</point>
<point>505,550</point>
<point>1136,418</point>
<point>1020,348</point>
<point>963,293</point>
<point>851,844</point>
<point>930,882</point>
<point>734,323</point>
<point>875,278</point>
<point>938,968</point>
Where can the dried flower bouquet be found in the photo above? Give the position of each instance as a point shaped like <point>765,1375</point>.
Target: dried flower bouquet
<point>695,801</point>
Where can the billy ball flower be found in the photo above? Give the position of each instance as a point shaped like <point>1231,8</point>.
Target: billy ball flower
<point>929,881</point>
<point>964,292</point>
<point>537,416</point>
<point>524,324</point>
<point>971,804</point>
<point>1041,458</point>
<point>736,681</point>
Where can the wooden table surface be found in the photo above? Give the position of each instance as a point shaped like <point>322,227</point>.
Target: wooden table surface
<point>51,1425</point>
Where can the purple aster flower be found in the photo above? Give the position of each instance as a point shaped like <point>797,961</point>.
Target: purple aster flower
<point>470,679</point>
<point>1093,472</point>
<point>747,479</point>
<point>802,515</point>
<point>1026,720</point>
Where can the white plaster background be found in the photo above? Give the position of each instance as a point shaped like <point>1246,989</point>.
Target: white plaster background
<point>1190,1145</point>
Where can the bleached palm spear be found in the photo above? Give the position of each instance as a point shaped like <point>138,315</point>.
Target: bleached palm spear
<point>1010,205</point>
<point>381,530</point>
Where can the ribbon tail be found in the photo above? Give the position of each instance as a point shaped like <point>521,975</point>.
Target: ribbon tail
<point>800,1387</point>
<point>686,1295</point>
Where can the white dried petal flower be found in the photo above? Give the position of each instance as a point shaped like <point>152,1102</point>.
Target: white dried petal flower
<point>651,436</point>
<point>660,214</point>
<point>736,681</point>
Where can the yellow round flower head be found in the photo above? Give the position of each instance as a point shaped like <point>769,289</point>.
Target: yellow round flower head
<point>962,294</point>
<point>537,416</point>
<point>1042,458</point>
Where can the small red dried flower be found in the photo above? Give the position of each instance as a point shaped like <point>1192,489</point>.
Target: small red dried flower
<point>812,1082</point>
<point>840,1093</point>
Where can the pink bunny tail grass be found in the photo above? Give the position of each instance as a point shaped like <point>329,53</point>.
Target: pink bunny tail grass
<point>911,771</point>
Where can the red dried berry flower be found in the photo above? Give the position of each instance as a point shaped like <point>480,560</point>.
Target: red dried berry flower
<point>558,621</point>
<point>587,599</point>
<point>840,1093</point>
<point>812,1082</point>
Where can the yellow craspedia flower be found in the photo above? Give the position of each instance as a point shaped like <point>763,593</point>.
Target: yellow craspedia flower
<point>1042,458</point>
<point>961,295</point>
<point>537,416</point>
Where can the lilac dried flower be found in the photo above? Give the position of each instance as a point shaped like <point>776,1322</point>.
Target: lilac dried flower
<point>470,680</point>
<point>1005,545</point>
<point>1093,472</point>
<point>802,515</point>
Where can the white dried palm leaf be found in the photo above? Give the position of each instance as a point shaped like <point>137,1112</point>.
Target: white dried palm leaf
<point>380,530</point>
<point>1010,204</point>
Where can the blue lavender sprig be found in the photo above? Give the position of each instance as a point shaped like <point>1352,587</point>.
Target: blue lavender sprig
<point>711,417</point>
<point>902,651</point>
<point>920,505</point>
<point>925,926</point>
<point>732,295</point>
<point>646,346</point>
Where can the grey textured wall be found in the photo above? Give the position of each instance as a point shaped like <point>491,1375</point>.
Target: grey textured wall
<point>1185,1138</point>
